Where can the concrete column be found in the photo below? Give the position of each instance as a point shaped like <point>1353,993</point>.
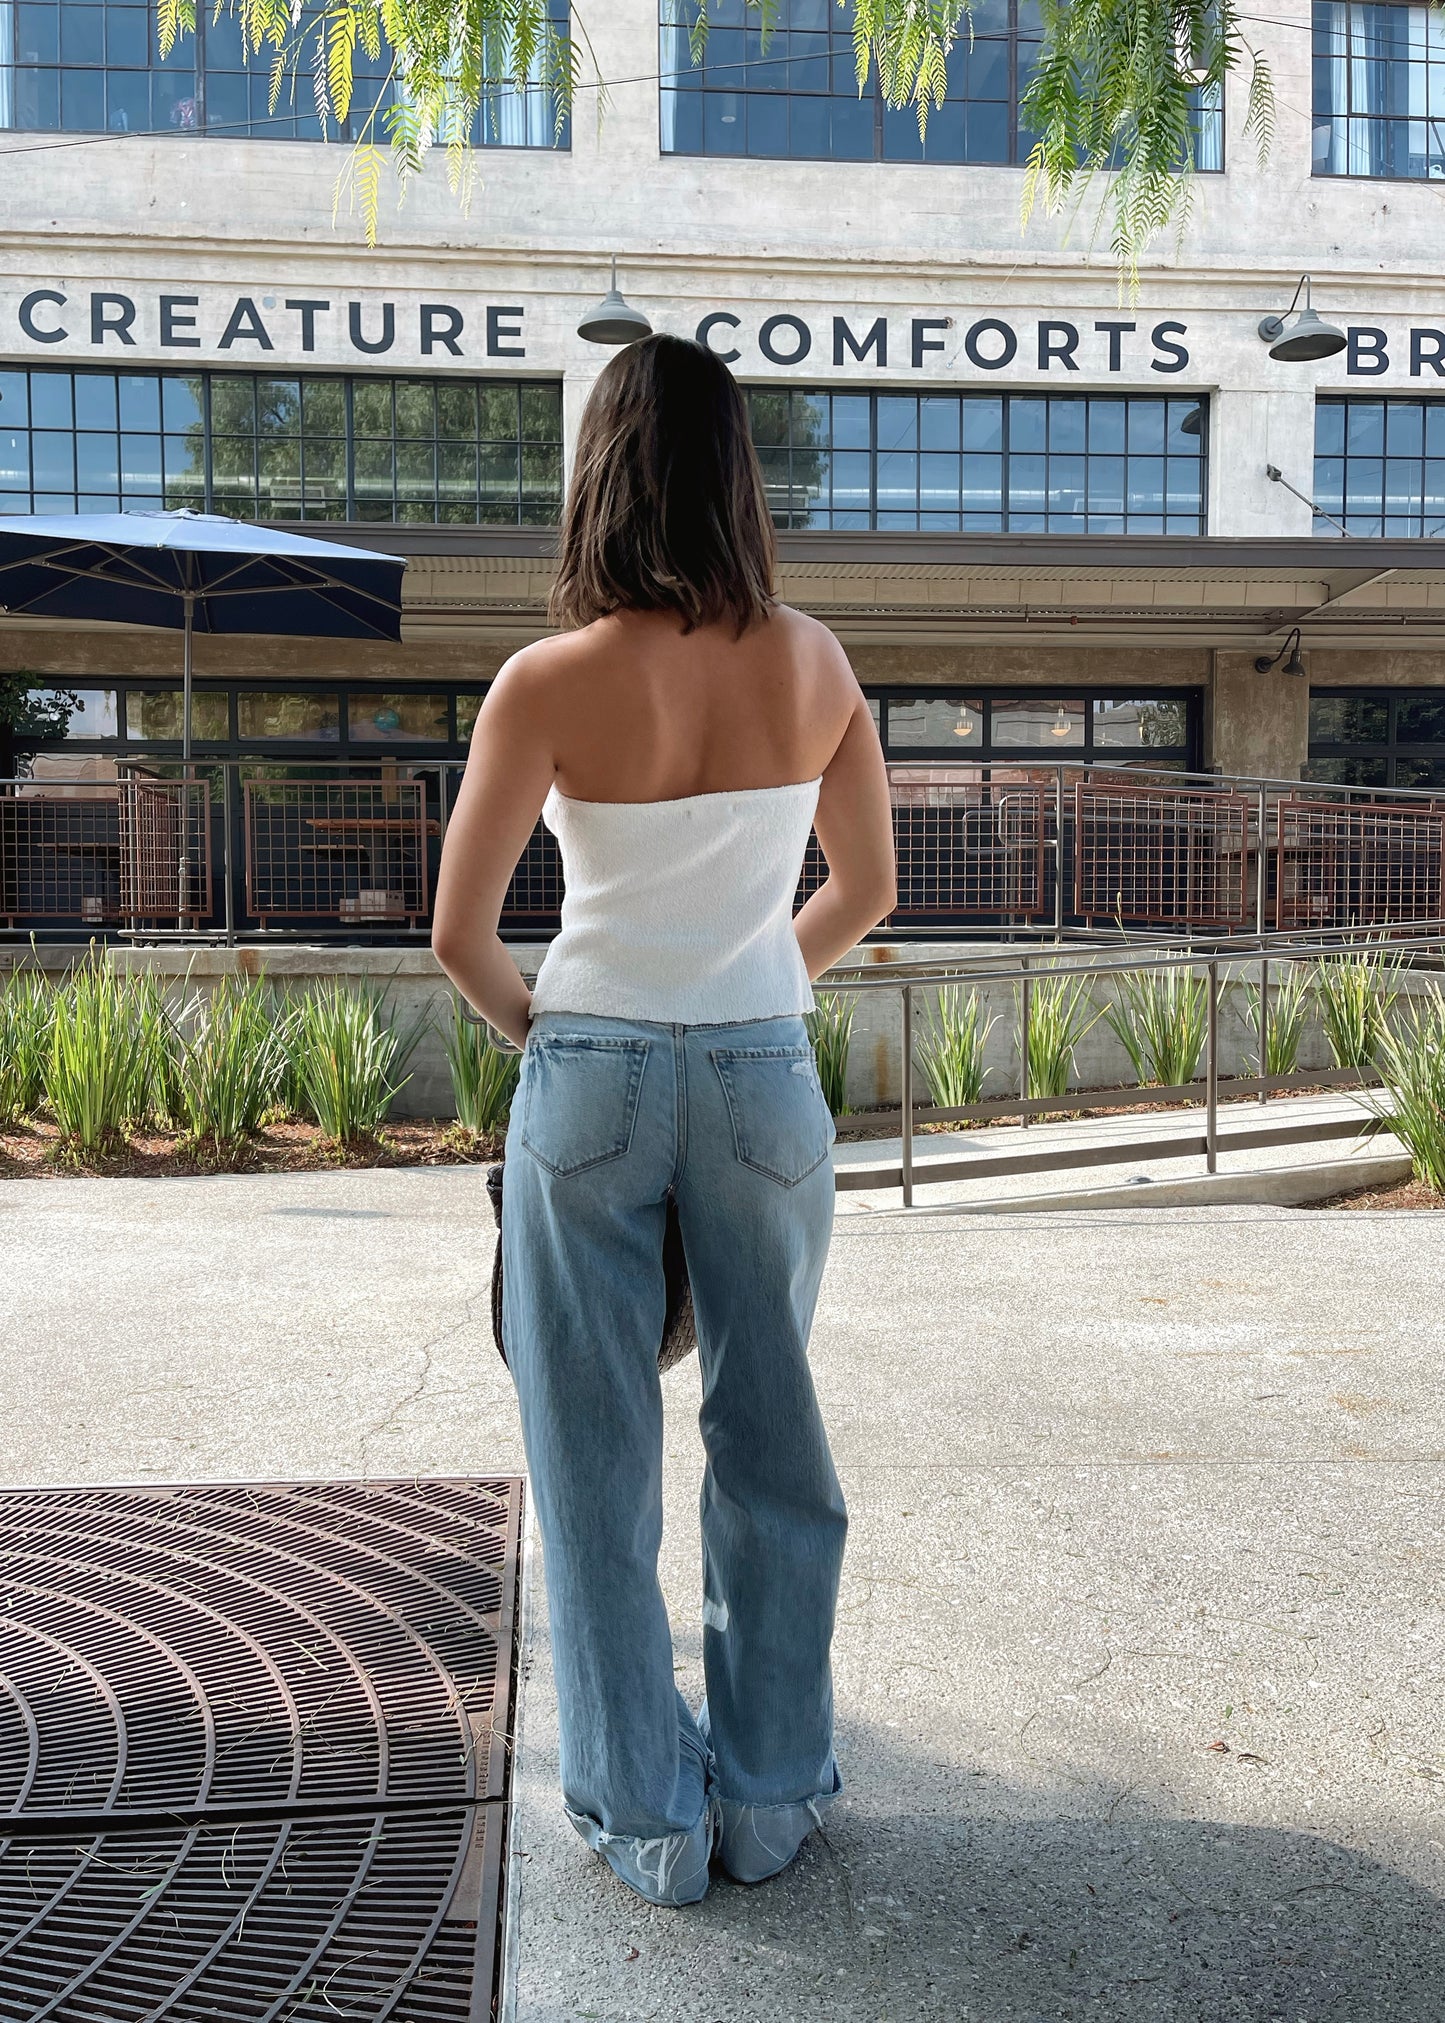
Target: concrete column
<point>1256,723</point>
<point>1249,428</point>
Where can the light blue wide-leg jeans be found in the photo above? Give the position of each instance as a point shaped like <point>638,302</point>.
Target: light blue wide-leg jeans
<point>610,1117</point>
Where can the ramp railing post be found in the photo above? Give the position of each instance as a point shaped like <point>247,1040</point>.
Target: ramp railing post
<point>1025,1010</point>
<point>1211,1073</point>
<point>1261,862</point>
<point>906,1096</point>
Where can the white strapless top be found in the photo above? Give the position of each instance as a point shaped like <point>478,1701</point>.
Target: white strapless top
<point>680,910</point>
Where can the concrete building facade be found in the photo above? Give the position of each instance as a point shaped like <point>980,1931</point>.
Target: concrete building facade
<point>1047,512</point>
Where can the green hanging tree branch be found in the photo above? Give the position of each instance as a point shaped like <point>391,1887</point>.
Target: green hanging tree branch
<point>1114,92</point>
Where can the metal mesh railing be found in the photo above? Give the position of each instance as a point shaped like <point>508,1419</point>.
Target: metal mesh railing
<point>1162,856</point>
<point>535,893</point>
<point>1044,847</point>
<point>102,854</point>
<point>162,823</point>
<point>1361,865</point>
<point>337,849</point>
<point>971,849</point>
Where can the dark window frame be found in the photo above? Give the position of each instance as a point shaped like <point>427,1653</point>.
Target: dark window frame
<point>1329,762</point>
<point>536,504</point>
<point>1411,525</point>
<point>294,107</point>
<point>1012,401</point>
<point>290,751</point>
<point>984,752</point>
<point>1324,113</point>
<point>1020,36</point>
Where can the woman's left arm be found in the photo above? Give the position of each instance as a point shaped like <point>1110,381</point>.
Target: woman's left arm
<point>508,773</point>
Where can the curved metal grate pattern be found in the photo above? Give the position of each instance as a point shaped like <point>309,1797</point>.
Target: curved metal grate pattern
<point>252,1749</point>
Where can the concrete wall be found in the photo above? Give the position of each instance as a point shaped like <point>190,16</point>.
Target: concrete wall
<point>213,217</point>
<point>217,219</point>
<point>418,990</point>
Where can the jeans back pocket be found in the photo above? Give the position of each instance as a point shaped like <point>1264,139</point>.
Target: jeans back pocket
<point>782,1125</point>
<point>579,1098</point>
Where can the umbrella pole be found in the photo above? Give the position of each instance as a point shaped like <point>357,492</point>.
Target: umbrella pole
<point>184,865</point>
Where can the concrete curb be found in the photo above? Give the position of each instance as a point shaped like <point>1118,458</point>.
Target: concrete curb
<point>1279,1187</point>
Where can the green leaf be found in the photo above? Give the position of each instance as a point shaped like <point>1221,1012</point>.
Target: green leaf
<point>1111,97</point>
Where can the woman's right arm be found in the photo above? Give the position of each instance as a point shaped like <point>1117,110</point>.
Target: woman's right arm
<point>508,772</point>
<point>854,826</point>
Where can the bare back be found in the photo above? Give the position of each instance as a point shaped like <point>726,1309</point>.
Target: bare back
<point>638,710</point>
<point>633,709</point>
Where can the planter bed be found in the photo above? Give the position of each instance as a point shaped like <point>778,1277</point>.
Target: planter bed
<point>32,1151</point>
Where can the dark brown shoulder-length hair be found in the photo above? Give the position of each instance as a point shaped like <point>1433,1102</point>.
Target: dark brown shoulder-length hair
<point>666,509</point>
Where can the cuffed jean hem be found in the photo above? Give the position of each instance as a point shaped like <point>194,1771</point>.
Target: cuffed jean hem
<point>673,1869</point>
<point>758,1841</point>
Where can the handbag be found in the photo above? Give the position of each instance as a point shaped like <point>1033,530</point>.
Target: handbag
<point>679,1327</point>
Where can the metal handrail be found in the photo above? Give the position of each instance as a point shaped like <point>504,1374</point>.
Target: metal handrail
<point>936,976</point>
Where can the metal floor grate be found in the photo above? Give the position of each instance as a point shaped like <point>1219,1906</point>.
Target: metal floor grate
<point>253,1750</point>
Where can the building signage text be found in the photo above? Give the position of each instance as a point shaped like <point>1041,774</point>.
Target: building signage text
<point>250,326</point>
<point>332,328</point>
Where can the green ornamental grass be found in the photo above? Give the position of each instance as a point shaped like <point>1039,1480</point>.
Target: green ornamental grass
<point>1059,1023</point>
<point>1411,1059</point>
<point>230,1063</point>
<point>1357,990</point>
<point>155,1092</point>
<point>1289,1010</point>
<point>830,1028</point>
<point>950,1049</point>
<point>346,1057</point>
<point>483,1076</point>
<point>26,1005</point>
<point>91,1075</point>
<point>1161,1017</point>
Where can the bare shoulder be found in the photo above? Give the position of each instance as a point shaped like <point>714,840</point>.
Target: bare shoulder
<point>531,676</point>
<point>818,648</point>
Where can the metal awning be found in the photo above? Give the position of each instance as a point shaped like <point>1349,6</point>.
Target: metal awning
<point>1143,590</point>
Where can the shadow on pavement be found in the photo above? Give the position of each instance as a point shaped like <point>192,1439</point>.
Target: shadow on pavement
<point>934,1894</point>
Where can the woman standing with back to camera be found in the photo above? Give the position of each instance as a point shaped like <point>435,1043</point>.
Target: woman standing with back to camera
<point>681,736</point>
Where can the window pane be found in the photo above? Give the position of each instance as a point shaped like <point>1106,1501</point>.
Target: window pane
<point>1142,725</point>
<point>1038,725</point>
<point>1399,493</point>
<point>1420,720</point>
<point>396,719</point>
<point>935,722</point>
<point>279,714</point>
<point>96,714</point>
<point>1349,720</point>
<point>279,446</point>
<point>155,714</point>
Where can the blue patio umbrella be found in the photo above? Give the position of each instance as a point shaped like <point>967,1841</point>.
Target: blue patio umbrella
<point>195,572</point>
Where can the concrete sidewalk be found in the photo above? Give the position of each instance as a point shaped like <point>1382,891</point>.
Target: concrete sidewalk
<point>1138,1664</point>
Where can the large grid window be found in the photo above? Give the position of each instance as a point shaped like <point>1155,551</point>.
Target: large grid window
<point>1380,465</point>
<point>795,93</point>
<point>982,463</point>
<point>1379,89</point>
<point>94,66</point>
<point>469,451</point>
<point>1370,738</point>
<point>1121,728</point>
<point>1010,727</point>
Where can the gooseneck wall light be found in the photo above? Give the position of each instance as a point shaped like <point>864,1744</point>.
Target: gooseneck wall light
<point>1311,336</point>
<point>1294,665</point>
<point>613,320</point>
